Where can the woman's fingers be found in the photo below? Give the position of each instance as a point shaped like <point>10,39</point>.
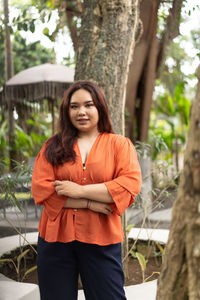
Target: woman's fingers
<point>57,183</point>
<point>100,207</point>
<point>59,191</point>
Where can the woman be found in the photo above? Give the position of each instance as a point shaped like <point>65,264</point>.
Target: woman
<point>85,177</point>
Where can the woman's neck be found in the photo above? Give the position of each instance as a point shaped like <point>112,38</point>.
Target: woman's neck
<point>88,135</point>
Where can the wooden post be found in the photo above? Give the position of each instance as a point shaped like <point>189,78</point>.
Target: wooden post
<point>53,116</point>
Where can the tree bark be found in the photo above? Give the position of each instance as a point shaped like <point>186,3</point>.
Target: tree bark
<point>180,274</point>
<point>106,44</point>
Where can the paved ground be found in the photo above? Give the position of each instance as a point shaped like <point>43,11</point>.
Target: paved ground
<point>14,219</point>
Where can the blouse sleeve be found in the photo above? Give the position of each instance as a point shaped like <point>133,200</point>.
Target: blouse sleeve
<point>43,189</point>
<point>127,182</point>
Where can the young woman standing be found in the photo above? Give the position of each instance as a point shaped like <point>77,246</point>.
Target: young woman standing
<point>85,176</point>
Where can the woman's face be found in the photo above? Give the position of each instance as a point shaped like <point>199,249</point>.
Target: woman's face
<point>83,112</point>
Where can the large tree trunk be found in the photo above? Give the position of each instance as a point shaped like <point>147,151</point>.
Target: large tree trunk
<point>106,44</point>
<point>180,274</point>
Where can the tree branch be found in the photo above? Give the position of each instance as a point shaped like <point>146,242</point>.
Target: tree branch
<point>171,31</point>
<point>72,11</point>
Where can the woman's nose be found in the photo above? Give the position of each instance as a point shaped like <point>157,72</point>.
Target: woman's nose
<point>81,110</point>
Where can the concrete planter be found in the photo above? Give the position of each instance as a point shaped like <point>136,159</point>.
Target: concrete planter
<point>12,290</point>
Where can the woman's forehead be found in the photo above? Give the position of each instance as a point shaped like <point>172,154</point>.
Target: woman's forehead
<point>81,95</point>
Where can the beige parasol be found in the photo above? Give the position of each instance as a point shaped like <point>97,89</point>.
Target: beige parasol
<point>47,81</point>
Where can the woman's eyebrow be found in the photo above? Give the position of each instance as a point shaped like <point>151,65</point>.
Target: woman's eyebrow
<point>87,101</point>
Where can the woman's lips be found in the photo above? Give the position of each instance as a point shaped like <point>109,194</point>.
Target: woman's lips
<point>82,121</point>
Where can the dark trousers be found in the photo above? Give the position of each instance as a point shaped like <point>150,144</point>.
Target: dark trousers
<point>100,269</point>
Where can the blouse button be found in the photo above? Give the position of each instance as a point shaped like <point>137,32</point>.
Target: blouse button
<point>75,209</point>
<point>84,178</point>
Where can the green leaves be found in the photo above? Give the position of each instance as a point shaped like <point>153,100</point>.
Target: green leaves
<point>17,265</point>
<point>29,271</point>
<point>46,31</point>
<point>128,228</point>
<point>32,26</point>
<point>171,120</point>
<point>19,258</point>
<point>11,182</point>
<point>23,141</point>
<point>142,261</point>
<point>3,260</point>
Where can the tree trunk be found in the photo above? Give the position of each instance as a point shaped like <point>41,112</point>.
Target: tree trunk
<point>8,47</point>
<point>142,72</point>
<point>148,56</point>
<point>9,74</point>
<point>146,87</point>
<point>180,274</point>
<point>73,8</point>
<point>170,32</point>
<point>106,44</point>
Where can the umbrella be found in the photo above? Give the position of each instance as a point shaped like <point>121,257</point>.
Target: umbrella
<point>46,81</point>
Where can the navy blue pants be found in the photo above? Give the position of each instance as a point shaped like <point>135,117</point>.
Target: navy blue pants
<point>100,269</point>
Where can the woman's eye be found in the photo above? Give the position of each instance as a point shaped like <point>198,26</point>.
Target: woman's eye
<point>89,105</point>
<point>73,106</point>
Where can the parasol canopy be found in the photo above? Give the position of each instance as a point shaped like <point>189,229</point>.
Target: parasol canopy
<point>47,81</point>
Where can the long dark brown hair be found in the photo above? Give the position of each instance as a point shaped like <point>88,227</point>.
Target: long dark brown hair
<point>59,147</point>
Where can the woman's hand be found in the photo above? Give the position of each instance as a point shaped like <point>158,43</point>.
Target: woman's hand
<point>68,188</point>
<point>95,206</point>
<point>76,191</point>
<point>99,207</point>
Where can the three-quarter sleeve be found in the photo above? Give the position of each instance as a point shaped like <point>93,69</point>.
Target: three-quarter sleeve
<point>43,189</point>
<point>127,180</point>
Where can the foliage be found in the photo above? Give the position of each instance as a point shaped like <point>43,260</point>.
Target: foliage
<point>195,35</point>
<point>36,12</point>
<point>17,264</point>
<point>142,149</point>
<point>170,119</point>
<point>25,55</point>
<point>29,55</point>
<point>3,132</point>
<point>29,142</point>
<point>156,145</point>
<point>17,181</point>
<point>172,72</point>
<point>39,130</point>
<point>46,7</point>
<point>142,262</point>
<point>23,143</point>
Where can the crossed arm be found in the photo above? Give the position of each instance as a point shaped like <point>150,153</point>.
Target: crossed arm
<point>93,196</point>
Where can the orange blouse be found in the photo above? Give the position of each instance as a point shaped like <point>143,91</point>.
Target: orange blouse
<point>113,161</point>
